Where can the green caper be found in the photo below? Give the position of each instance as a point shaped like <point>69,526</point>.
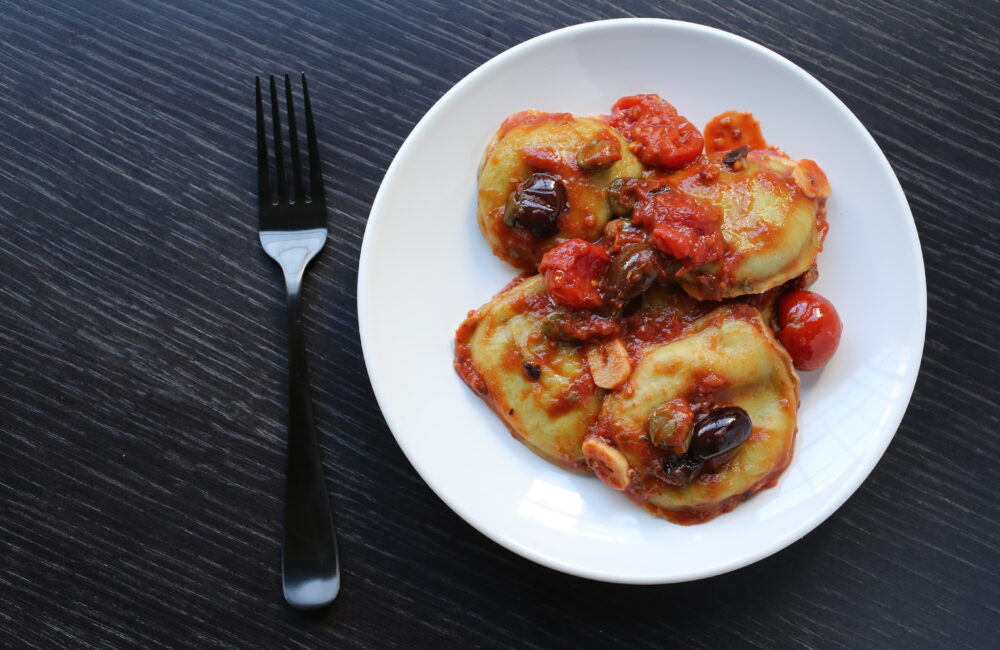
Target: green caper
<point>599,153</point>
<point>670,426</point>
<point>621,197</point>
<point>551,327</point>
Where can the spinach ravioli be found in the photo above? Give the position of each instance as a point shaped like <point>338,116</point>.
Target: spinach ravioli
<point>771,229</point>
<point>540,387</point>
<point>727,358</point>
<point>548,143</point>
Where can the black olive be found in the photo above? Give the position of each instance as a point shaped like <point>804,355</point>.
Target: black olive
<point>632,271</point>
<point>533,370</point>
<point>716,463</point>
<point>537,204</point>
<point>734,160</point>
<point>680,470</point>
<point>718,434</point>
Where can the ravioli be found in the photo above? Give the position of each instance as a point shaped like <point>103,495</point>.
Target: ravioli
<point>533,141</point>
<point>539,386</point>
<point>772,230</point>
<point>727,358</point>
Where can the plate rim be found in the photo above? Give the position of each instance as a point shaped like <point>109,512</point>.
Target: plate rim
<point>841,496</point>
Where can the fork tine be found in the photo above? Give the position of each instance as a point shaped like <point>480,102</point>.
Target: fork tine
<point>315,171</point>
<point>263,183</point>
<point>279,162</point>
<point>293,143</point>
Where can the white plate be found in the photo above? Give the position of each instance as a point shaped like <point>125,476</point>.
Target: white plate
<point>424,265</point>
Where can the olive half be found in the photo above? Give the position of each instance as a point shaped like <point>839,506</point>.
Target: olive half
<point>718,435</point>
<point>632,271</point>
<point>536,204</point>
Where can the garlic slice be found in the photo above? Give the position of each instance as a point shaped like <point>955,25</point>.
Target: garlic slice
<point>609,363</point>
<point>608,463</point>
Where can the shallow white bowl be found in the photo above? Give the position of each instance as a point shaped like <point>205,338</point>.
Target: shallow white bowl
<point>424,264</point>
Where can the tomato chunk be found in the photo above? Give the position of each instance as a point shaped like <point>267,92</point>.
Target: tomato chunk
<point>681,227</point>
<point>660,136</point>
<point>573,271</point>
<point>732,130</point>
<point>810,328</point>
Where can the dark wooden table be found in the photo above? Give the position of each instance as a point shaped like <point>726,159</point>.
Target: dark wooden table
<point>142,360</point>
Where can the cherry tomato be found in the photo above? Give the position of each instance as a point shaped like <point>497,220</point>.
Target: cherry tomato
<point>810,328</point>
<point>660,137</point>
<point>573,271</point>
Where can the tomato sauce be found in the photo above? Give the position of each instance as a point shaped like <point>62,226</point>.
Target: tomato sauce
<point>732,130</point>
<point>531,118</point>
<point>464,366</point>
<point>687,229</point>
<point>580,388</point>
<point>663,321</point>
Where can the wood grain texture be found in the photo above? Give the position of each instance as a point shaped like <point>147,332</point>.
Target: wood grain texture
<point>142,365</point>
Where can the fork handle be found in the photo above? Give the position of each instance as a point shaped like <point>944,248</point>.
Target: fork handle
<point>310,544</point>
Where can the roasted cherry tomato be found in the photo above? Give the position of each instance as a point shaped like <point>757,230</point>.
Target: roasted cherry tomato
<point>660,137</point>
<point>810,328</point>
<point>573,271</point>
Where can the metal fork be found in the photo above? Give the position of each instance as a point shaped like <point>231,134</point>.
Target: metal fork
<point>292,232</point>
